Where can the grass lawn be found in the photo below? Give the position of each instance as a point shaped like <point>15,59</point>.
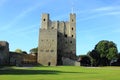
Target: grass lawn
<point>60,73</point>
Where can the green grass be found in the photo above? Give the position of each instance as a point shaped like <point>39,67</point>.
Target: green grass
<point>60,73</point>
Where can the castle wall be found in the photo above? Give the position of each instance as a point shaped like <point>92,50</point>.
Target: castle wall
<point>64,35</point>
<point>47,51</point>
<point>67,35</point>
<point>72,34</point>
<point>68,61</point>
<point>4,53</point>
<point>20,59</point>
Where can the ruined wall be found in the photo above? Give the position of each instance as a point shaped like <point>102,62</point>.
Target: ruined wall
<point>71,62</point>
<point>4,53</point>
<point>67,36</point>
<point>20,59</point>
<point>16,59</point>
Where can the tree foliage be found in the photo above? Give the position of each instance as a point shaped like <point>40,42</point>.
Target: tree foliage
<point>103,53</point>
<point>34,50</point>
<point>94,57</point>
<point>107,49</point>
<point>18,51</point>
<point>84,60</point>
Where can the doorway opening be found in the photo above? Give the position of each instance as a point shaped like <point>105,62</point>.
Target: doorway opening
<point>49,63</point>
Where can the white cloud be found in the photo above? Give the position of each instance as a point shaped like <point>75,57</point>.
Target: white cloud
<point>108,8</point>
<point>99,12</point>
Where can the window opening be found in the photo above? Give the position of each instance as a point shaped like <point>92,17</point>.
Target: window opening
<point>66,35</point>
<point>72,35</point>
<point>43,19</point>
<point>72,28</point>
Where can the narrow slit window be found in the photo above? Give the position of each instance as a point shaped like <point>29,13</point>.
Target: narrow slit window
<point>66,42</point>
<point>52,50</point>
<point>66,35</point>
<point>47,50</point>
<point>43,19</point>
<point>57,35</point>
<point>41,50</point>
<point>72,28</point>
<point>72,20</point>
<point>72,35</point>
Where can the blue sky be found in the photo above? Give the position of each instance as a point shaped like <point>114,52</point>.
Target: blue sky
<point>96,20</point>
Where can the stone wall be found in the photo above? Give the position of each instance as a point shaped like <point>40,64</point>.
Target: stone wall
<point>47,50</point>
<point>71,62</point>
<point>19,59</point>
<point>4,53</point>
<point>63,33</point>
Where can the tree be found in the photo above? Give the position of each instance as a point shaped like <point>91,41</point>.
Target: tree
<point>94,57</point>
<point>18,51</point>
<point>107,51</point>
<point>34,50</point>
<point>24,52</point>
<point>84,60</point>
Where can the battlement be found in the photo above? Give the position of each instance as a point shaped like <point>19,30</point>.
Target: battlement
<point>61,26</point>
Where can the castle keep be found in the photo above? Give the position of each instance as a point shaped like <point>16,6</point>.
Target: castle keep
<point>57,41</point>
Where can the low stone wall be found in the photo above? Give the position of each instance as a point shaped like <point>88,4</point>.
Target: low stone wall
<point>19,59</point>
<point>68,61</point>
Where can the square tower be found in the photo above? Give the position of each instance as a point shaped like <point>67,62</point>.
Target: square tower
<point>57,41</point>
<point>47,49</point>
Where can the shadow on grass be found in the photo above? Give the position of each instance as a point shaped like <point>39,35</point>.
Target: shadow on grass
<point>30,72</point>
<point>35,72</point>
<point>27,72</point>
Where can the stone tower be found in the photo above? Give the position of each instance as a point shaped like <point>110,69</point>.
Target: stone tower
<point>57,41</point>
<point>4,53</point>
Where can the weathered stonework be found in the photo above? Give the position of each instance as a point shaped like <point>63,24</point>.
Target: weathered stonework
<point>48,47</point>
<point>57,39</point>
<point>20,59</point>
<point>4,53</point>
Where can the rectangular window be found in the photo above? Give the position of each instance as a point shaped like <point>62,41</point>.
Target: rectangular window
<point>52,50</point>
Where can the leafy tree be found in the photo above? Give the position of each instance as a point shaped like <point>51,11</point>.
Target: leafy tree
<point>85,60</point>
<point>34,50</point>
<point>119,55</point>
<point>94,57</point>
<point>103,53</point>
<point>18,51</point>
<point>107,51</point>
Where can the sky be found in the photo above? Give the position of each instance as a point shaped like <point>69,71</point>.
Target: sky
<point>96,20</point>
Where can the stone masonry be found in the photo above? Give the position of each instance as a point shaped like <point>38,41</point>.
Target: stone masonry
<point>4,53</point>
<point>57,39</point>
